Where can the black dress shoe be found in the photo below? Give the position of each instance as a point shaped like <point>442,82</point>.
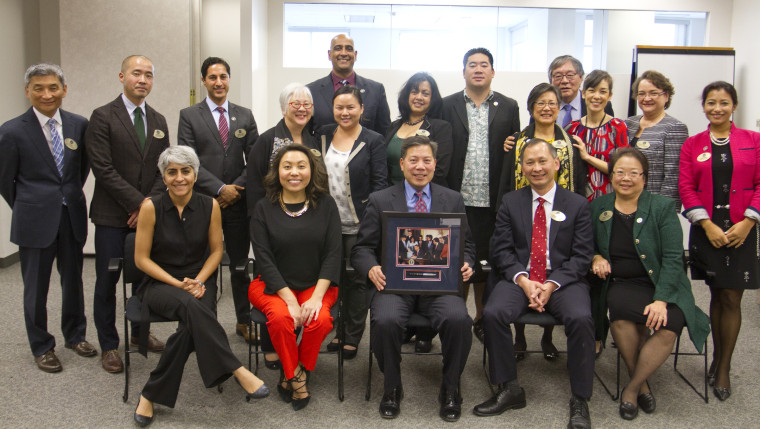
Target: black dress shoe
<point>272,364</point>
<point>550,352</point>
<point>332,346</point>
<point>423,346</point>
<point>141,420</point>
<point>647,402</point>
<point>520,349</point>
<point>451,405</point>
<point>349,354</point>
<point>722,393</point>
<point>628,411</point>
<point>580,418</point>
<point>502,401</point>
<point>390,405</point>
<point>477,330</point>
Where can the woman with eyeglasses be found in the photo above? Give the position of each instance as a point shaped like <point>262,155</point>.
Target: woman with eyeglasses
<point>658,135</point>
<point>720,189</point>
<point>638,258</point>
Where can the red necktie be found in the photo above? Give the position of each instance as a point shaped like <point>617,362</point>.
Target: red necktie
<point>420,206</point>
<point>538,244</point>
<point>223,129</point>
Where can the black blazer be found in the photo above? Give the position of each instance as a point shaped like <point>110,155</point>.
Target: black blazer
<point>503,121</point>
<point>440,132</point>
<point>377,115</point>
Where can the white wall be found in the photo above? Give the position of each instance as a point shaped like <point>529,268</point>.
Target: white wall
<point>744,39</point>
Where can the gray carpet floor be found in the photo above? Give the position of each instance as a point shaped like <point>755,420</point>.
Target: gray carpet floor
<point>83,395</point>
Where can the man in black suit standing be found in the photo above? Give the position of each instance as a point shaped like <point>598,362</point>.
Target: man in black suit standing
<point>222,134</point>
<point>376,116</point>
<point>124,140</point>
<point>389,313</point>
<point>481,120</point>
<point>566,73</point>
<point>541,252</point>
<point>42,170</point>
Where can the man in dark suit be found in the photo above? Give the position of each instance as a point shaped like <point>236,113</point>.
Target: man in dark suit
<point>481,120</point>
<point>541,252</point>
<point>222,134</point>
<point>124,140</point>
<point>389,313</point>
<point>376,116</point>
<point>43,167</point>
<point>566,73</point>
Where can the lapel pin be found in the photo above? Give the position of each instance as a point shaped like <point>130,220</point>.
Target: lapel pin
<point>558,216</point>
<point>158,134</point>
<point>71,144</point>
<point>639,220</point>
<point>232,118</point>
<point>240,133</point>
<point>605,216</point>
<point>495,103</point>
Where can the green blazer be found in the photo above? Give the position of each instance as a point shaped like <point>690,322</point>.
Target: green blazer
<point>658,238</point>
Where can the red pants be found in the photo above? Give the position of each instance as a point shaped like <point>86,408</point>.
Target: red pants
<point>281,326</point>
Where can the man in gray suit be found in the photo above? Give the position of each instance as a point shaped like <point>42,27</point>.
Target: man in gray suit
<point>377,116</point>
<point>222,134</point>
<point>124,140</point>
<point>389,313</point>
<point>42,170</point>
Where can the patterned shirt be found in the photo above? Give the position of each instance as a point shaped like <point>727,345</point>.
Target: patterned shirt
<point>475,190</point>
<point>600,142</point>
<point>335,161</point>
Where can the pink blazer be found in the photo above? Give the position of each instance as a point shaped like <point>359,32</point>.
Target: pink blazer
<point>695,177</point>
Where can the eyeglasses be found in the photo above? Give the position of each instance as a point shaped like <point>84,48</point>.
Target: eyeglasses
<point>632,174</point>
<point>560,76</point>
<point>653,95</point>
<point>297,105</point>
<point>542,104</point>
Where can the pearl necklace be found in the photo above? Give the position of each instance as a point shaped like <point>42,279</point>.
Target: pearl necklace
<point>719,142</point>
<point>294,214</point>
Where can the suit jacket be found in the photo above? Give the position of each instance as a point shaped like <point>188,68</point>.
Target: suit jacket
<point>658,237</point>
<point>571,245</point>
<point>198,130</point>
<point>367,250</point>
<point>503,121</point>
<point>440,132</point>
<point>30,182</point>
<point>377,114</point>
<point>124,174</point>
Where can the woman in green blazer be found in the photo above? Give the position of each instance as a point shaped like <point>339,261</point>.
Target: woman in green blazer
<point>639,258</point>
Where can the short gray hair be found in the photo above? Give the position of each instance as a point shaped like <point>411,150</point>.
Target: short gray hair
<point>291,90</point>
<point>562,59</point>
<point>534,142</point>
<point>44,69</point>
<point>182,155</point>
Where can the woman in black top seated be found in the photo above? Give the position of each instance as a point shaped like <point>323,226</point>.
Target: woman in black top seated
<point>297,243</point>
<point>179,246</point>
<point>639,255</point>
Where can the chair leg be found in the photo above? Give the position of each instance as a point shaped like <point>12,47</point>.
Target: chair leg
<point>367,393</point>
<point>125,396</point>
<point>250,346</point>
<point>704,397</point>
<point>341,338</point>
<point>617,377</point>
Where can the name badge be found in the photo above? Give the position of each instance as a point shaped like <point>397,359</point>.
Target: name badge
<point>71,144</point>
<point>639,220</point>
<point>424,133</point>
<point>605,216</point>
<point>159,134</point>
<point>559,144</point>
<point>642,144</point>
<point>240,133</point>
<point>316,152</point>
<point>704,156</point>
<point>558,216</point>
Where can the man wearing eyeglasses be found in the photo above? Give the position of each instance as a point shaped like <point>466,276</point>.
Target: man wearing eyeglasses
<point>566,73</point>
<point>222,134</point>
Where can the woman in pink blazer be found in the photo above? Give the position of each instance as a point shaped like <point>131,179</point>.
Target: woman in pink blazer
<point>719,181</point>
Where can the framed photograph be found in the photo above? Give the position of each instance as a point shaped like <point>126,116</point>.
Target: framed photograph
<point>423,252</point>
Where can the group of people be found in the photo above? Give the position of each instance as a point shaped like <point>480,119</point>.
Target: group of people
<point>416,250</point>
<point>576,214</point>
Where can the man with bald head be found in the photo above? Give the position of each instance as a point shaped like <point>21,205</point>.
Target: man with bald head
<point>123,142</point>
<point>342,54</point>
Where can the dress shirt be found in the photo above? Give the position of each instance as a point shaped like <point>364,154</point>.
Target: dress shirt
<point>215,113</point>
<point>575,109</point>
<point>411,196</point>
<point>131,110</point>
<point>336,80</point>
<point>475,178</point>
<point>46,129</point>
<point>548,205</point>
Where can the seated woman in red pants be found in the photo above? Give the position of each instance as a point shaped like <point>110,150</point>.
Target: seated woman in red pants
<point>297,243</point>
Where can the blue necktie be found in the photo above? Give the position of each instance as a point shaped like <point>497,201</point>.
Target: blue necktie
<point>568,115</point>
<point>57,146</point>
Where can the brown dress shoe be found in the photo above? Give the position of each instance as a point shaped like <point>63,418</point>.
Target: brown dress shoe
<point>48,362</point>
<point>111,361</point>
<point>242,330</point>
<point>83,348</point>
<point>154,344</point>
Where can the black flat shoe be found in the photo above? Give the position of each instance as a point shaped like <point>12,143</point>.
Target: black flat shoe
<point>550,352</point>
<point>502,401</point>
<point>349,354</point>
<point>140,419</point>
<point>722,393</point>
<point>332,346</point>
<point>423,346</point>
<point>520,349</point>
<point>477,330</point>
<point>272,364</point>
<point>646,401</point>
<point>451,405</point>
<point>390,405</point>
<point>628,411</point>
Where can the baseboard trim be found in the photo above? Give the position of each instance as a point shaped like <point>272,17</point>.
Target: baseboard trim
<point>9,260</point>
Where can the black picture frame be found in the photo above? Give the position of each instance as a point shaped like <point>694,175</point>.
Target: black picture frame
<point>428,268</point>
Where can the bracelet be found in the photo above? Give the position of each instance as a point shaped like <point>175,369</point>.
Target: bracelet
<point>200,283</point>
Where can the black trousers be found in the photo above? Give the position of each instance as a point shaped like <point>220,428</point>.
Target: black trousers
<point>571,305</point>
<point>36,266</point>
<point>237,244</point>
<point>198,332</point>
<point>354,288</point>
<point>389,315</point>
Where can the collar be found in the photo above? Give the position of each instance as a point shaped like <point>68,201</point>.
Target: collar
<point>549,196</point>
<point>575,104</point>
<point>336,79</point>
<point>409,191</point>
<point>44,119</point>
<point>212,106</point>
<point>132,106</point>
<point>191,204</point>
<point>469,100</point>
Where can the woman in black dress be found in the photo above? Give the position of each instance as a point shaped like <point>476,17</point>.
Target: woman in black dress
<point>179,246</point>
<point>720,189</point>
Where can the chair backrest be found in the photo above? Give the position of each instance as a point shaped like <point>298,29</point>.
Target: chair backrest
<point>129,269</point>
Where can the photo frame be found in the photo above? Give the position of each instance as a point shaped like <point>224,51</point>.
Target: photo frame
<point>422,253</point>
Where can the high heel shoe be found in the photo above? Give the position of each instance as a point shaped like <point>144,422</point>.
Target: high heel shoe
<point>301,379</point>
<point>260,393</point>
<point>711,374</point>
<point>722,393</point>
<point>140,419</point>
<point>285,393</point>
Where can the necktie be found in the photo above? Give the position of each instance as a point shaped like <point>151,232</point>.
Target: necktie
<point>57,146</point>
<point>140,127</point>
<point>223,129</point>
<point>420,206</point>
<point>344,82</point>
<point>568,115</point>
<point>538,244</point>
